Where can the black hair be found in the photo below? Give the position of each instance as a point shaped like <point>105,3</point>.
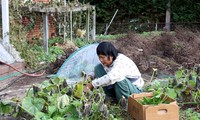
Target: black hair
<point>107,49</point>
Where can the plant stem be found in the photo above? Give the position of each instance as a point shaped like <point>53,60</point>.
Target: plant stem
<point>152,76</point>
<point>164,99</point>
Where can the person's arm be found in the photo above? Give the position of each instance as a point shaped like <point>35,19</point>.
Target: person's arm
<point>104,80</point>
<point>116,74</point>
<point>97,82</point>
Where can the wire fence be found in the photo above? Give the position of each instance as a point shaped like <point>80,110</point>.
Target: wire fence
<point>120,28</point>
<point>117,28</point>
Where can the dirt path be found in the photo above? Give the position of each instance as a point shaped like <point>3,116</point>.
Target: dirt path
<point>18,86</point>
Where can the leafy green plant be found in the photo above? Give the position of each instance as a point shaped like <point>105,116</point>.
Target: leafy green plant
<point>189,114</point>
<point>156,99</point>
<point>32,53</point>
<point>55,99</point>
<point>5,107</point>
<point>41,56</point>
<point>80,42</point>
<point>52,41</point>
<point>110,37</point>
<point>183,87</point>
<point>182,84</point>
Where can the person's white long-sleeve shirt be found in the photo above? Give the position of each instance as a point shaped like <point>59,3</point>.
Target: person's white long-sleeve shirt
<point>121,68</point>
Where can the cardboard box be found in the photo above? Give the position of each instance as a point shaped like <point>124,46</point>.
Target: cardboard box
<point>152,112</point>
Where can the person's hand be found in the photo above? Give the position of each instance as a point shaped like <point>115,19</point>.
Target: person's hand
<point>88,87</point>
<point>89,78</point>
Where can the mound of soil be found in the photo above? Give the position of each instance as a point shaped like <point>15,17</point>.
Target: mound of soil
<point>166,52</point>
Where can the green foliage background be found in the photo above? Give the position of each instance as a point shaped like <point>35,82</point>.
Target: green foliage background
<point>152,10</point>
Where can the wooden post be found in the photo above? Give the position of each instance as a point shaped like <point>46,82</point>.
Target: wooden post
<point>156,27</point>
<point>94,25</point>
<point>168,16</point>
<point>5,21</point>
<point>65,24</point>
<point>88,25</point>
<point>70,24</point>
<point>46,32</point>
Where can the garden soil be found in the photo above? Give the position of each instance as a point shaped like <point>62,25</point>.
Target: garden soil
<point>165,53</point>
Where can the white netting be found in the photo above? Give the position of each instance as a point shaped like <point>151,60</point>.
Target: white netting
<point>83,59</point>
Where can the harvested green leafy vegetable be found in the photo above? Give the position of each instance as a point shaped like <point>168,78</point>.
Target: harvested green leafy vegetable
<point>156,99</point>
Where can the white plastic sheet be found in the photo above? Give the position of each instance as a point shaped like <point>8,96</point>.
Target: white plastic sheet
<point>5,56</point>
<point>83,59</point>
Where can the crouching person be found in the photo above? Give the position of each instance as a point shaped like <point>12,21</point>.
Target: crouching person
<point>117,74</point>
